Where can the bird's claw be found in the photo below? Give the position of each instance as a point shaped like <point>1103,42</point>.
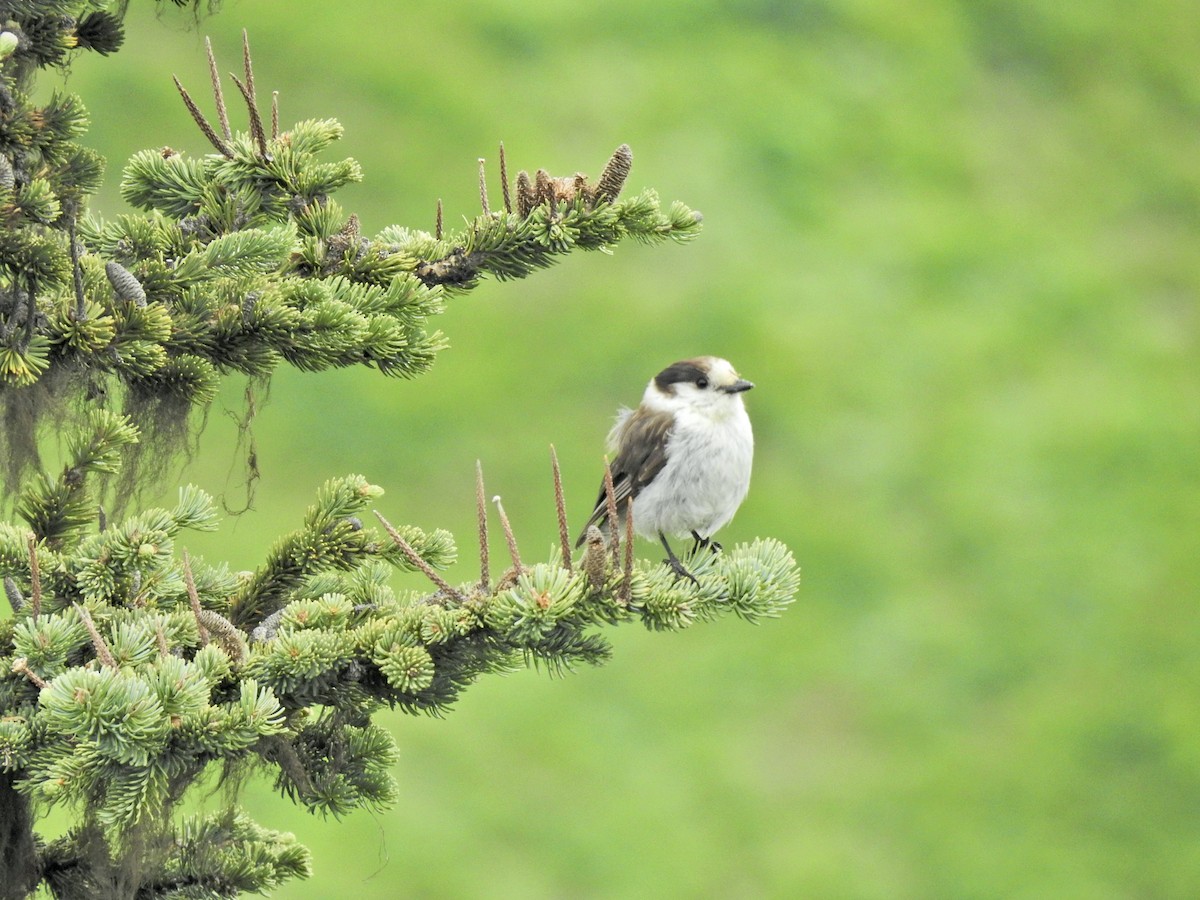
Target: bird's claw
<point>680,572</point>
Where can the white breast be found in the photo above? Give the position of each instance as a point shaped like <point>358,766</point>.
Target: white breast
<point>706,476</point>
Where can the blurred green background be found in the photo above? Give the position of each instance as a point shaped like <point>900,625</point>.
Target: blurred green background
<point>957,245</point>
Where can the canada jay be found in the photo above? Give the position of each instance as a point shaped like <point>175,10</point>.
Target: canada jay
<point>683,456</point>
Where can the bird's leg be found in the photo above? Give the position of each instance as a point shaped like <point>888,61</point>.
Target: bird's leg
<point>702,542</point>
<point>673,561</point>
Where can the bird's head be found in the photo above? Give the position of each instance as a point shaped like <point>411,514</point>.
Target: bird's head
<point>705,384</point>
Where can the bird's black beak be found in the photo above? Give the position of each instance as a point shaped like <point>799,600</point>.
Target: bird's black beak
<point>738,386</point>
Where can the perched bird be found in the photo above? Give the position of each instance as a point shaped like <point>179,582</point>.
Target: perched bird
<point>683,456</point>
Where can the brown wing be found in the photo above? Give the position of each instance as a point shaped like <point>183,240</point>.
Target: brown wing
<point>642,444</point>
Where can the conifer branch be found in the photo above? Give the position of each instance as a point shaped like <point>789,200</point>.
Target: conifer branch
<point>415,558</point>
<point>485,575</point>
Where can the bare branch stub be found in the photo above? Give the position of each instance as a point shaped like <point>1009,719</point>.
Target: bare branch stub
<point>610,500</point>
<point>194,597</point>
<point>103,652</point>
<point>80,312</point>
<point>20,666</point>
<point>198,117</point>
<point>627,570</point>
<point>508,535</point>
<point>504,180</point>
<point>437,232</point>
<point>560,506</point>
<point>247,63</point>
<point>256,123</point>
<point>35,580</point>
<point>218,94</point>
<point>483,197</point>
<point>415,558</point>
<point>485,575</point>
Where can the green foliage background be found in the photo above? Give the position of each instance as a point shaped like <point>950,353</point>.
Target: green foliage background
<point>957,245</point>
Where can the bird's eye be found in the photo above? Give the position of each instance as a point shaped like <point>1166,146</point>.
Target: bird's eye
<point>702,382</point>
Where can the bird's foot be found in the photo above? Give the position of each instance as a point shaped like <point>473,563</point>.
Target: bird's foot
<point>680,572</point>
<point>673,561</point>
<point>702,542</point>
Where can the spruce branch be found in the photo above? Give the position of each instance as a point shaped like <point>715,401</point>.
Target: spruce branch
<point>237,262</point>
